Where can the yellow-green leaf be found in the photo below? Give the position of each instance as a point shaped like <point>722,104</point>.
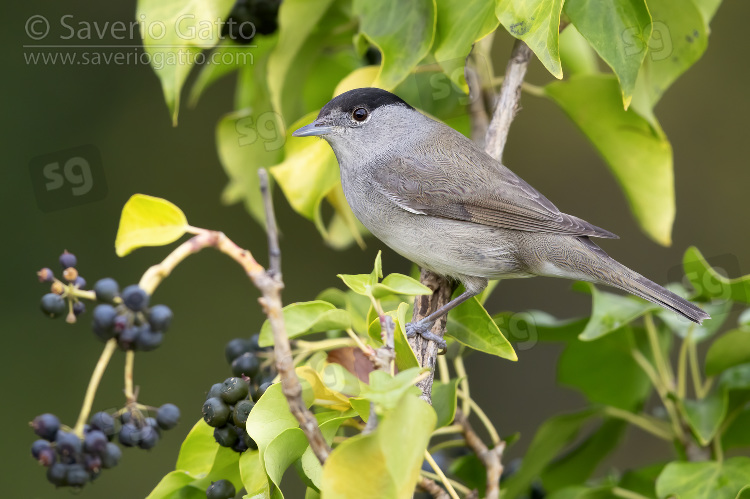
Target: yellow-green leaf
<point>148,221</point>
<point>174,33</point>
<point>536,22</point>
<point>639,156</point>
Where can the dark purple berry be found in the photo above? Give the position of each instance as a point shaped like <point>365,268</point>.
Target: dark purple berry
<point>149,437</point>
<point>45,275</point>
<point>160,318</point>
<point>168,416</point>
<point>128,338</point>
<point>129,435</point>
<point>237,347</point>
<point>57,474</point>
<point>46,426</point>
<point>111,456</point>
<point>47,457</point>
<point>106,290</point>
<point>234,389</point>
<point>68,260</point>
<point>249,441</point>
<point>92,463</point>
<point>68,444</point>
<point>54,305</point>
<point>215,412</point>
<point>148,339</point>
<point>95,442</point>
<point>135,298</point>
<point>215,391</point>
<point>79,307</point>
<point>221,489</point>
<point>79,282</point>
<point>258,393</point>
<point>246,364</point>
<point>226,435</point>
<point>38,446</point>
<point>241,412</point>
<point>77,475</point>
<point>103,422</point>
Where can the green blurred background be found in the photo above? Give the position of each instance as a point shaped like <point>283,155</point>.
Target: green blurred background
<point>119,109</point>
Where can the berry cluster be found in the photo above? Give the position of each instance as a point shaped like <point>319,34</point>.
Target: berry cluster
<point>62,300</point>
<point>72,460</point>
<point>249,17</point>
<point>228,404</point>
<point>127,317</point>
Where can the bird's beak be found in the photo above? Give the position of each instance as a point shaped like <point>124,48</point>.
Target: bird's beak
<point>313,129</point>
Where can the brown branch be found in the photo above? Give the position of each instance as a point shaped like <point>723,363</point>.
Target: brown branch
<point>506,106</point>
<point>491,458</point>
<point>269,283</point>
<point>431,487</point>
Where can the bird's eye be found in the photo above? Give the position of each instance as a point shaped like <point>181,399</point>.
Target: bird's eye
<point>360,114</point>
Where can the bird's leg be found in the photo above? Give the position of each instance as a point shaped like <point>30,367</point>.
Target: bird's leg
<point>423,327</point>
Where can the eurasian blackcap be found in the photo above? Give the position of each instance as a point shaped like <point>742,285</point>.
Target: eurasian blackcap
<point>439,200</point>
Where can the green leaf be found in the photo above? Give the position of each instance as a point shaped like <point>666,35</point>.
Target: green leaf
<point>307,317</point>
<point>639,156</point>
<point>444,401</point>
<point>526,328</point>
<point>708,283</point>
<point>254,477</point>
<point>384,463</point>
<point>309,462</point>
<point>282,451</point>
<point>472,326</point>
<point>643,480</point>
<point>359,283</point>
<point>148,221</point>
<point>576,54</point>
<point>297,21</point>
<point>403,31</point>
<point>578,464</point>
<point>471,471</point>
<point>174,33</point>
<point>610,311</point>
<point>460,23</point>
<point>706,480</point>
<point>729,350</point>
<point>611,359</point>
<point>405,358</point>
<point>551,438</point>
<point>387,391</point>
<point>270,417</point>
<point>708,8</point>
<point>744,318</point>
<point>536,22</point>
<point>601,23</point>
<point>705,416</point>
<point>678,39</point>
<point>399,284</point>
<point>201,461</point>
<point>583,492</point>
<point>307,174</point>
<point>357,305</point>
<point>737,433</point>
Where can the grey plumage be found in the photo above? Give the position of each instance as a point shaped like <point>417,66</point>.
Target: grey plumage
<point>436,198</point>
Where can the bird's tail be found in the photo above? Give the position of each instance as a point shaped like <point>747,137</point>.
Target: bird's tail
<point>609,271</point>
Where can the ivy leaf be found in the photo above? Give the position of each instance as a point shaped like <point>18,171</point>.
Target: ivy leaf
<point>297,21</point>
<point>309,462</point>
<point>550,439</point>
<point>706,480</point>
<point>405,358</point>
<point>174,33</point>
<point>403,31</point>
<point>536,22</point>
<point>386,390</point>
<point>708,283</point>
<point>316,390</point>
<point>705,416</point>
<point>611,359</point>
<point>444,401</point>
<point>399,284</point>
<point>679,38</point>
<point>526,328</point>
<point>576,54</point>
<point>148,221</point>
<point>254,477</point>
<point>729,350</point>
<point>601,22</point>
<point>373,466</point>
<point>610,311</point>
<point>471,325</point>
<point>305,318</point>
<point>270,417</point>
<point>639,156</point>
<point>201,462</point>
<point>281,452</point>
<point>460,23</point>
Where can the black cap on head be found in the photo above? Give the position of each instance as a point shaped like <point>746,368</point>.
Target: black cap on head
<point>368,97</point>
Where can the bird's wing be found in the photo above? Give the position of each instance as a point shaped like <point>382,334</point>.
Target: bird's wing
<point>475,188</point>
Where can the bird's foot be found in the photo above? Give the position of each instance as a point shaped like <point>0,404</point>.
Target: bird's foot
<point>422,328</point>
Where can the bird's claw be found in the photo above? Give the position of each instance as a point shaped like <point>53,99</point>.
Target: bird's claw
<point>422,329</point>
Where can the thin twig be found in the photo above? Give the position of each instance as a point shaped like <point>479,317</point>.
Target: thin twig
<point>274,252</point>
<point>439,473</point>
<point>506,106</point>
<point>491,458</point>
<point>431,487</point>
<point>96,378</point>
<point>129,366</point>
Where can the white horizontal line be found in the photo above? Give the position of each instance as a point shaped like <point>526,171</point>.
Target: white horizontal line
<point>130,46</point>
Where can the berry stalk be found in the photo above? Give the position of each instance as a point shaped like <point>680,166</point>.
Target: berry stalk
<point>96,377</point>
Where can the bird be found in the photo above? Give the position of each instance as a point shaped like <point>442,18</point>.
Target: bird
<point>437,199</point>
